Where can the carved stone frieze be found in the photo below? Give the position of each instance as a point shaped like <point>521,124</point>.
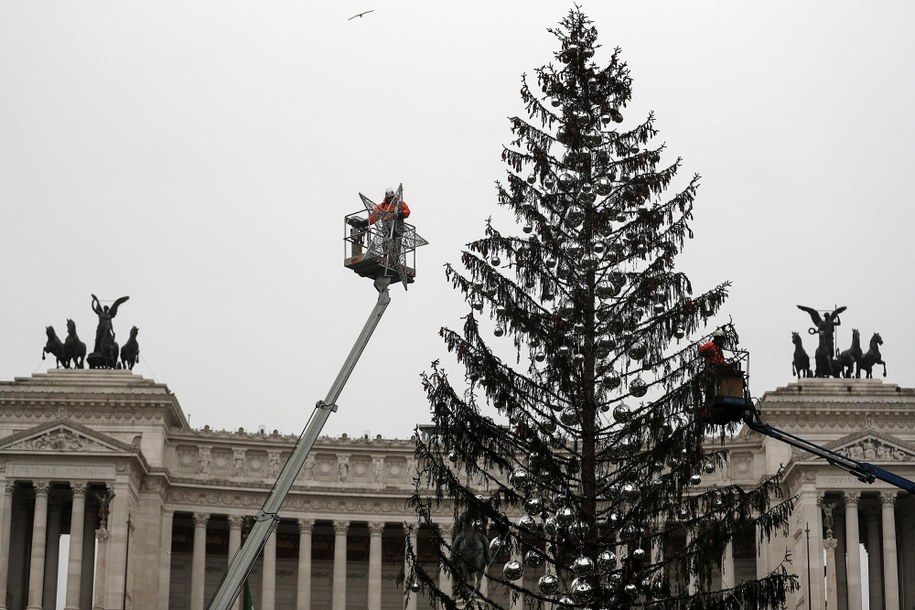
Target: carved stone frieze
<point>59,440</point>
<point>872,449</point>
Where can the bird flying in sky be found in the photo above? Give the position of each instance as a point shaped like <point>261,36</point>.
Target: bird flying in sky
<point>361,14</point>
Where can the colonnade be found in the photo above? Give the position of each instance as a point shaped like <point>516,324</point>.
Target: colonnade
<point>268,564</point>
<point>32,520</point>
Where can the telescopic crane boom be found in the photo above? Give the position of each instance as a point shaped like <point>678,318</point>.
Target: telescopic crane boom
<point>267,518</point>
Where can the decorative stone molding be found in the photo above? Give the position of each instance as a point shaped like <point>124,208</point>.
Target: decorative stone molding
<point>273,458</point>
<point>888,498</point>
<point>59,440</point>
<point>78,487</point>
<point>851,498</point>
<point>201,519</point>
<point>343,467</point>
<point>235,522</point>
<point>238,453</point>
<point>41,487</point>
<point>341,527</point>
<point>869,449</point>
<point>306,526</point>
<point>376,528</point>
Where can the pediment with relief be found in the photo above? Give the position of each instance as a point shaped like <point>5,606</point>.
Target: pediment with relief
<point>870,447</point>
<point>63,436</point>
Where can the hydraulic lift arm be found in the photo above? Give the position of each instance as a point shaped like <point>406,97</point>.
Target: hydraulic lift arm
<point>864,471</point>
<point>267,518</point>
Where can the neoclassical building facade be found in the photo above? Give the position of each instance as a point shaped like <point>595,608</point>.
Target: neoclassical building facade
<point>151,509</point>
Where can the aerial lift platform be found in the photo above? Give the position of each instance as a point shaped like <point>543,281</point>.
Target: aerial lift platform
<point>385,248</point>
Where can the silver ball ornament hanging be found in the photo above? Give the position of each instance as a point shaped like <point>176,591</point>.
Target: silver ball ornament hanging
<point>548,584</point>
<point>583,566</point>
<point>534,559</point>
<point>581,590</point>
<point>513,570</point>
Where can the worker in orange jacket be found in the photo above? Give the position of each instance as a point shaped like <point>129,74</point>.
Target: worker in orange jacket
<point>389,210</point>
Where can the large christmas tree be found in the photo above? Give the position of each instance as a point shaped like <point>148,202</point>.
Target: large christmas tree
<point>591,495</point>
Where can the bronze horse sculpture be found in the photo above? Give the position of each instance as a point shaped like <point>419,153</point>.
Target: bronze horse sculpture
<point>53,346</point>
<point>850,358</point>
<point>800,365</point>
<point>74,349</point>
<point>130,352</point>
<point>871,357</point>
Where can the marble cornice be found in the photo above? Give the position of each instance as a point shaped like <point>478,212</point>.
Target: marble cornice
<point>206,434</point>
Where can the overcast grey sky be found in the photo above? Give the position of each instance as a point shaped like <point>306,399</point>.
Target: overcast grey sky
<point>200,156</point>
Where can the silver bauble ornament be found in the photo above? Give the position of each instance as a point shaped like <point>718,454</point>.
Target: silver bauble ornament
<point>695,480</point>
<point>637,351</point>
<point>533,559</point>
<point>598,247</point>
<point>498,331</point>
<point>630,492</point>
<point>679,332</point>
<point>606,561</point>
<point>531,179</point>
<point>497,546</point>
<point>638,387</point>
<point>548,584</point>
<point>587,198</point>
<point>708,468</point>
<point>526,523</point>
<point>550,526</point>
<point>539,356</point>
<point>630,589</point>
<point>566,602</point>
<point>520,478</point>
<point>549,182</point>
<point>569,416</point>
<point>567,182</point>
<point>527,228</point>
<point>452,456</point>
<point>495,261</point>
<point>638,554</point>
<point>610,382</point>
<point>575,216</point>
<point>565,515</point>
<point>621,412</point>
<point>513,570</point>
<point>603,186</point>
<point>583,566</point>
<point>533,505</point>
<point>477,524</point>
<point>581,590</point>
<point>414,586</point>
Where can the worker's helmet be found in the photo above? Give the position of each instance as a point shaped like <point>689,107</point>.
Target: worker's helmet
<point>389,192</point>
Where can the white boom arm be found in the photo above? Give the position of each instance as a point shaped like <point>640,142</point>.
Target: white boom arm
<point>267,518</point>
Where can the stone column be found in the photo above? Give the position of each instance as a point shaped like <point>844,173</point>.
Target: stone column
<point>841,575</point>
<point>165,558</point>
<point>52,552</point>
<point>376,529</point>
<point>874,559</point>
<point>198,560</point>
<point>39,532</point>
<point>411,600</point>
<point>268,577</point>
<point>832,599</point>
<point>339,582</point>
<point>446,531</point>
<point>235,523</point>
<point>852,555</point>
<point>119,534</point>
<point>727,567</point>
<point>6,520</point>
<point>890,560</point>
<point>303,591</point>
<point>75,561</point>
<point>693,585</point>
<point>101,568</point>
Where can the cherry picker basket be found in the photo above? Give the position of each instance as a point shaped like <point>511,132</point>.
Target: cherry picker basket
<point>383,249</point>
<point>727,395</point>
